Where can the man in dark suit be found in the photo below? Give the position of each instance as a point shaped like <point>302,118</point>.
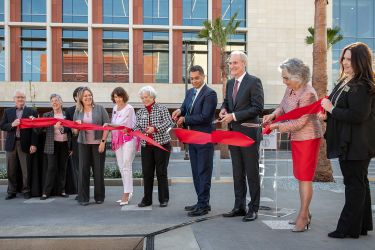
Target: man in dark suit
<point>197,113</point>
<point>19,144</point>
<point>243,102</point>
<point>72,169</point>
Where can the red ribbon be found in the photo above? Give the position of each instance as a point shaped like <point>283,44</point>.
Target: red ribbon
<point>313,108</point>
<point>47,122</point>
<point>219,136</point>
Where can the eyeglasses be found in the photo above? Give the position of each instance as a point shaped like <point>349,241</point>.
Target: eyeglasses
<point>20,97</point>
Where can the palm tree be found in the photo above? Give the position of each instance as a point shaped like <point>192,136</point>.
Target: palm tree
<point>218,33</point>
<point>320,80</point>
<point>333,36</point>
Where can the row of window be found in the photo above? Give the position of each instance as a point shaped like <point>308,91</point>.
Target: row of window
<point>356,18</point>
<point>115,55</point>
<point>195,12</point>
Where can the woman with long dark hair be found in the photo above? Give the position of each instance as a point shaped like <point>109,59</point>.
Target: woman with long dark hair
<point>350,136</point>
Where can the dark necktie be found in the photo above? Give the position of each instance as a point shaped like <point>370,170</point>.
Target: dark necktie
<point>235,90</point>
<point>192,101</point>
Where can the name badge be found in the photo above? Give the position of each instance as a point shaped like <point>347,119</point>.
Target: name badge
<point>346,88</point>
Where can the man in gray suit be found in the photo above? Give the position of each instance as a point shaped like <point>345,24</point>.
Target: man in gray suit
<point>243,102</point>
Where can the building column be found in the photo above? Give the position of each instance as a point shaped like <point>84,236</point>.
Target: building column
<point>56,11</point>
<point>7,40</point>
<point>177,46</point>
<point>97,46</point>
<point>15,54</point>
<point>137,43</point>
<point>49,41</point>
<point>131,41</point>
<point>97,11</point>
<point>57,55</point>
<point>90,52</point>
<point>216,77</point>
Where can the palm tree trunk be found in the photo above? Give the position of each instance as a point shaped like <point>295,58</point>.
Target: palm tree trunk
<point>224,150</point>
<point>320,79</point>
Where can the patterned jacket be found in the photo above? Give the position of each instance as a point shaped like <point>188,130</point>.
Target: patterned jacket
<point>306,127</point>
<point>159,118</point>
<point>50,135</point>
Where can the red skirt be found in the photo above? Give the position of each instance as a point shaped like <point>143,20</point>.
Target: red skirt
<point>305,158</point>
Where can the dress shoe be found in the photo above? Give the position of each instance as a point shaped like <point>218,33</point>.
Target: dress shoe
<point>303,229</point>
<point>198,212</point>
<point>27,195</point>
<point>144,204</point>
<point>84,203</point>
<point>43,197</point>
<point>235,212</point>
<point>64,195</point>
<point>164,204</point>
<point>293,222</point>
<point>250,216</point>
<point>10,196</point>
<point>99,202</point>
<point>336,234</point>
<point>76,198</point>
<point>193,207</point>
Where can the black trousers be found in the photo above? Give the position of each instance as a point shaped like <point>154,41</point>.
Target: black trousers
<point>201,159</point>
<point>154,158</point>
<point>73,168</point>
<point>245,164</point>
<point>356,216</point>
<point>13,157</point>
<point>55,172</point>
<point>89,156</point>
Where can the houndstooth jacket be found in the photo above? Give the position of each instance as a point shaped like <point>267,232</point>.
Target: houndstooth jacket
<point>159,118</point>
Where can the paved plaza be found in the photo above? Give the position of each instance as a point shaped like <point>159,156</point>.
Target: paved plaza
<point>63,217</point>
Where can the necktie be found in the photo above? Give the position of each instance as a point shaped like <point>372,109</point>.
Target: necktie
<point>235,90</point>
<point>192,101</point>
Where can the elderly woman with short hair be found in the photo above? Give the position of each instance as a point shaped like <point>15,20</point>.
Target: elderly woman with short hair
<point>305,132</point>
<point>155,121</point>
<point>56,150</point>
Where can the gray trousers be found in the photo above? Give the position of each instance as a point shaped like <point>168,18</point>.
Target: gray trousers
<point>13,157</point>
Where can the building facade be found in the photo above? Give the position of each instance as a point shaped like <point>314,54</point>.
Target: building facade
<point>52,46</point>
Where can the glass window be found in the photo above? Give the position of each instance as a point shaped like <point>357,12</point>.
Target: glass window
<point>1,10</point>
<point>75,57</point>
<point>197,52</point>
<point>33,11</point>
<point>156,12</point>
<point>235,42</point>
<point>365,18</point>
<point>2,56</point>
<point>156,57</point>
<point>115,56</point>
<point>75,11</point>
<point>348,18</point>
<point>34,56</point>
<point>116,11</point>
<point>230,7</point>
<point>194,12</point>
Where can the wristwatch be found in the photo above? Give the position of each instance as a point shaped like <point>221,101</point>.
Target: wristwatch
<point>102,140</point>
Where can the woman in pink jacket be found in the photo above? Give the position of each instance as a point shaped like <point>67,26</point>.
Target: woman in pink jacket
<point>305,133</point>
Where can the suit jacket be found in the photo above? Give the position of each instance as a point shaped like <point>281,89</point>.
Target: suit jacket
<point>69,112</point>
<point>350,128</point>
<point>203,111</point>
<point>248,105</point>
<point>50,134</point>
<point>28,136</point>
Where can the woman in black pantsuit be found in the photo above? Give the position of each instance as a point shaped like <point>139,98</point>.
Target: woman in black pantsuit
<point>155,121</point>
<point>350,137</point>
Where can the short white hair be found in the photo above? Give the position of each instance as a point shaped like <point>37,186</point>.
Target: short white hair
<point>149,90</point>
<point>297,69</point>
<point>57,96</point>
<point>241,54</point>
<point>20,91</point>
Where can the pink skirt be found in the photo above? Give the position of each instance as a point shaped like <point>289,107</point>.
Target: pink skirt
<point>305,158</point>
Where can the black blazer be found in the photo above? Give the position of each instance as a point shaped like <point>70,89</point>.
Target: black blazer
<point>203,111</point>
<point>69,112</point>
<point>350,132</point>
<point>28,136</point>
<point>248,105</point>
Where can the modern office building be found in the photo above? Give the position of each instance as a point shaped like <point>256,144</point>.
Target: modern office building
<point>52,46</point>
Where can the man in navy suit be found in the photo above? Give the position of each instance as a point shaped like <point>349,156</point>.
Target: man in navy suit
<point>19,144</point>
<point>244,102</point>
<point>197,112</point>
